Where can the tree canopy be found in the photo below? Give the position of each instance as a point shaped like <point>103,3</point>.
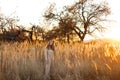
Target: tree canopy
<point>83,17</point>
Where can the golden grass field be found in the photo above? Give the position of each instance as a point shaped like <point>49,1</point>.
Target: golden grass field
<point>93,60</point>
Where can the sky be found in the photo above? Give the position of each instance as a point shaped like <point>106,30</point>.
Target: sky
<point>31,11</point>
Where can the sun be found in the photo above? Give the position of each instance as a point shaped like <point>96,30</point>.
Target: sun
<point>113,33</point>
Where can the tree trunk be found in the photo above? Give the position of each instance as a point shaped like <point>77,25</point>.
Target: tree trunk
<point>68,38</point>
<point>43,37</point>
<point>80,37</point>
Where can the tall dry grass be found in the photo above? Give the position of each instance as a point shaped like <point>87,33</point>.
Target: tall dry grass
<point>93,60</point>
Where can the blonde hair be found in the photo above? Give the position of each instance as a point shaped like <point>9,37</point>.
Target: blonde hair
<point>51,46</point>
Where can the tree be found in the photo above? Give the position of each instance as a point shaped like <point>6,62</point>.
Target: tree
<point>83,17</point>
<point>51,34</point>
<point>63,30</point>
<point>8,28</point>
<point>41,31</point>
<point>7,23</point>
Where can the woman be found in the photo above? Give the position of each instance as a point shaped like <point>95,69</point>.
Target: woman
<point>49,56</point>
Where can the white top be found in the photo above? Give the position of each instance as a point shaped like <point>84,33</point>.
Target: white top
<point>49,54</point>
